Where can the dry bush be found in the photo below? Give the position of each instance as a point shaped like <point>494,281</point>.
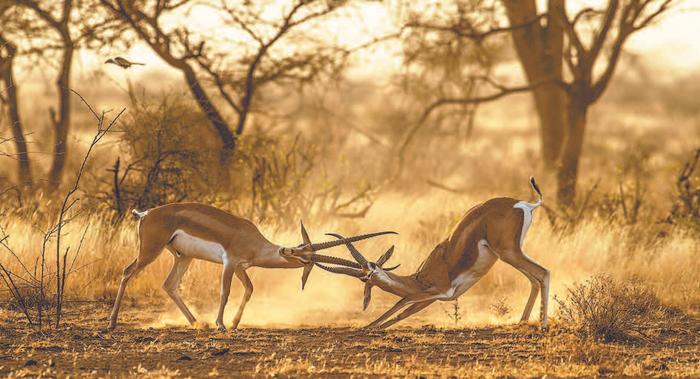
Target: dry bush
<point>686,205</point>
<point>454,312</point>
<point>624,204</point>
<point>606,309</point>
<point>500,307</point>
<point>169,156</point>
<point>288,180</point>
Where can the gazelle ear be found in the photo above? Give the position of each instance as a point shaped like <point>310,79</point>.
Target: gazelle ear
<point>368,296</point>
<point>304,235</point>
<point>385,257</point>
<point>305,274</point>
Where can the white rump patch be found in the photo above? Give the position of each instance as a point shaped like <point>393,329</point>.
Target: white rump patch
<point>193,247</point>
<point>139,214</point>
<point>527,219</point>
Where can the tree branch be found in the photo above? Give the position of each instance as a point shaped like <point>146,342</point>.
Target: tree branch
<point>478,36</point>
<point>503,91</point>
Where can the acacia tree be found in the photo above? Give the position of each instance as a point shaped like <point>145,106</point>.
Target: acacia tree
<point>564,40</point>
<point>568,62</point>
<point>236,76</point>
<point>8,51</point>
<point>56,15</point>
<point>15,25</point>
<point>51,31</point>
<point>56,30</point>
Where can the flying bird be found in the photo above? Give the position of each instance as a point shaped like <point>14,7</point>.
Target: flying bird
<point>122,62</point>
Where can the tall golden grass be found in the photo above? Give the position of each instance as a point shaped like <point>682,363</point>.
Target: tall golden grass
<point>668,265</point>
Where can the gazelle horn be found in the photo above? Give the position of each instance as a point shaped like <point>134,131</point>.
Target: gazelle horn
<point>367,296</point>
<point>329,244</point>
<point>385,257</point>
<point>342,270</point>
<point>355,253</point>
<point>319,258</point>
<point>307,268</point>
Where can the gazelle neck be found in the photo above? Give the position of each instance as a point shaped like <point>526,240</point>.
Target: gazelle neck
<point>399,285</point>
<point>269,257</point>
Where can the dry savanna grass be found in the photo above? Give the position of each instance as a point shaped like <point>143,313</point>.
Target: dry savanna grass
<point>287,332</point>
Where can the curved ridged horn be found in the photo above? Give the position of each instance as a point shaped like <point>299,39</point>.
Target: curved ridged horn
<point>316,258</point>
<point>307,268</point>
<point>329,244</point>
<point>355,253</point>
<point>385,257</point>
<point>304,234</point>
<point>367,296</point>
<point>342,270</point>
<point>391,268</point>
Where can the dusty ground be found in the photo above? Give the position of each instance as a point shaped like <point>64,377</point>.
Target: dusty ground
<point>84,348</point>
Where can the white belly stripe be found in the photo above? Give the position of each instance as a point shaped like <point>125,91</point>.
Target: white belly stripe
<point>482,265</point>
<point>194,247</point>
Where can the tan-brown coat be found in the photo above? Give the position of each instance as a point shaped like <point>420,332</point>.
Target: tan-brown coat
<point>489,231</point>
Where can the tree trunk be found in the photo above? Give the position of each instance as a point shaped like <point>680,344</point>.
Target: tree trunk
<point>550,103</point>
<point>567,172</point>
<point>62,123</point>
<point>24,168</point>
<point>540,52</point>
<point>227,138</point>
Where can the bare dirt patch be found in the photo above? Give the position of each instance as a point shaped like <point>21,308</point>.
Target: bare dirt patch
<point>83,347</point>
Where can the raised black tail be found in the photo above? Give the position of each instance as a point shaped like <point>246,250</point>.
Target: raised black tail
<point>536,187</point>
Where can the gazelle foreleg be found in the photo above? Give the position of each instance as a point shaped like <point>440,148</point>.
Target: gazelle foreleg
<point>172,282</point>
<point>400,304</point>
<point>248,285</point>
<point>226,277</point>
<point>407,312</point>
<point>408,300</point>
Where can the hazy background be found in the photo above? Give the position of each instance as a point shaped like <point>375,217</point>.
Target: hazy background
<point>325,141</point>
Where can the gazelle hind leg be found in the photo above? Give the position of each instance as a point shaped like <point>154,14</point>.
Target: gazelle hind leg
<point>544,305</point>
<point>532,270</point>
<point>149,249</point>
<point>172,283</point>
<point>129,272</point>
<point>534,291</point>
<point>126,276</point>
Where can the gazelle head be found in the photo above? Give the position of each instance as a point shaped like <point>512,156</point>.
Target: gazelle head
<point>305,252</point>
<point>371,273</point>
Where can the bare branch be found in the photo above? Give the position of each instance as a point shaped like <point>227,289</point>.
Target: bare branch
<point>478,36</point>
<point>602,34</point>
<point>503,91</point>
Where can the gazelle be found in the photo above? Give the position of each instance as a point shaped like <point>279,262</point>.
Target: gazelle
<point>197,231</point>
<point>489,231</point>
